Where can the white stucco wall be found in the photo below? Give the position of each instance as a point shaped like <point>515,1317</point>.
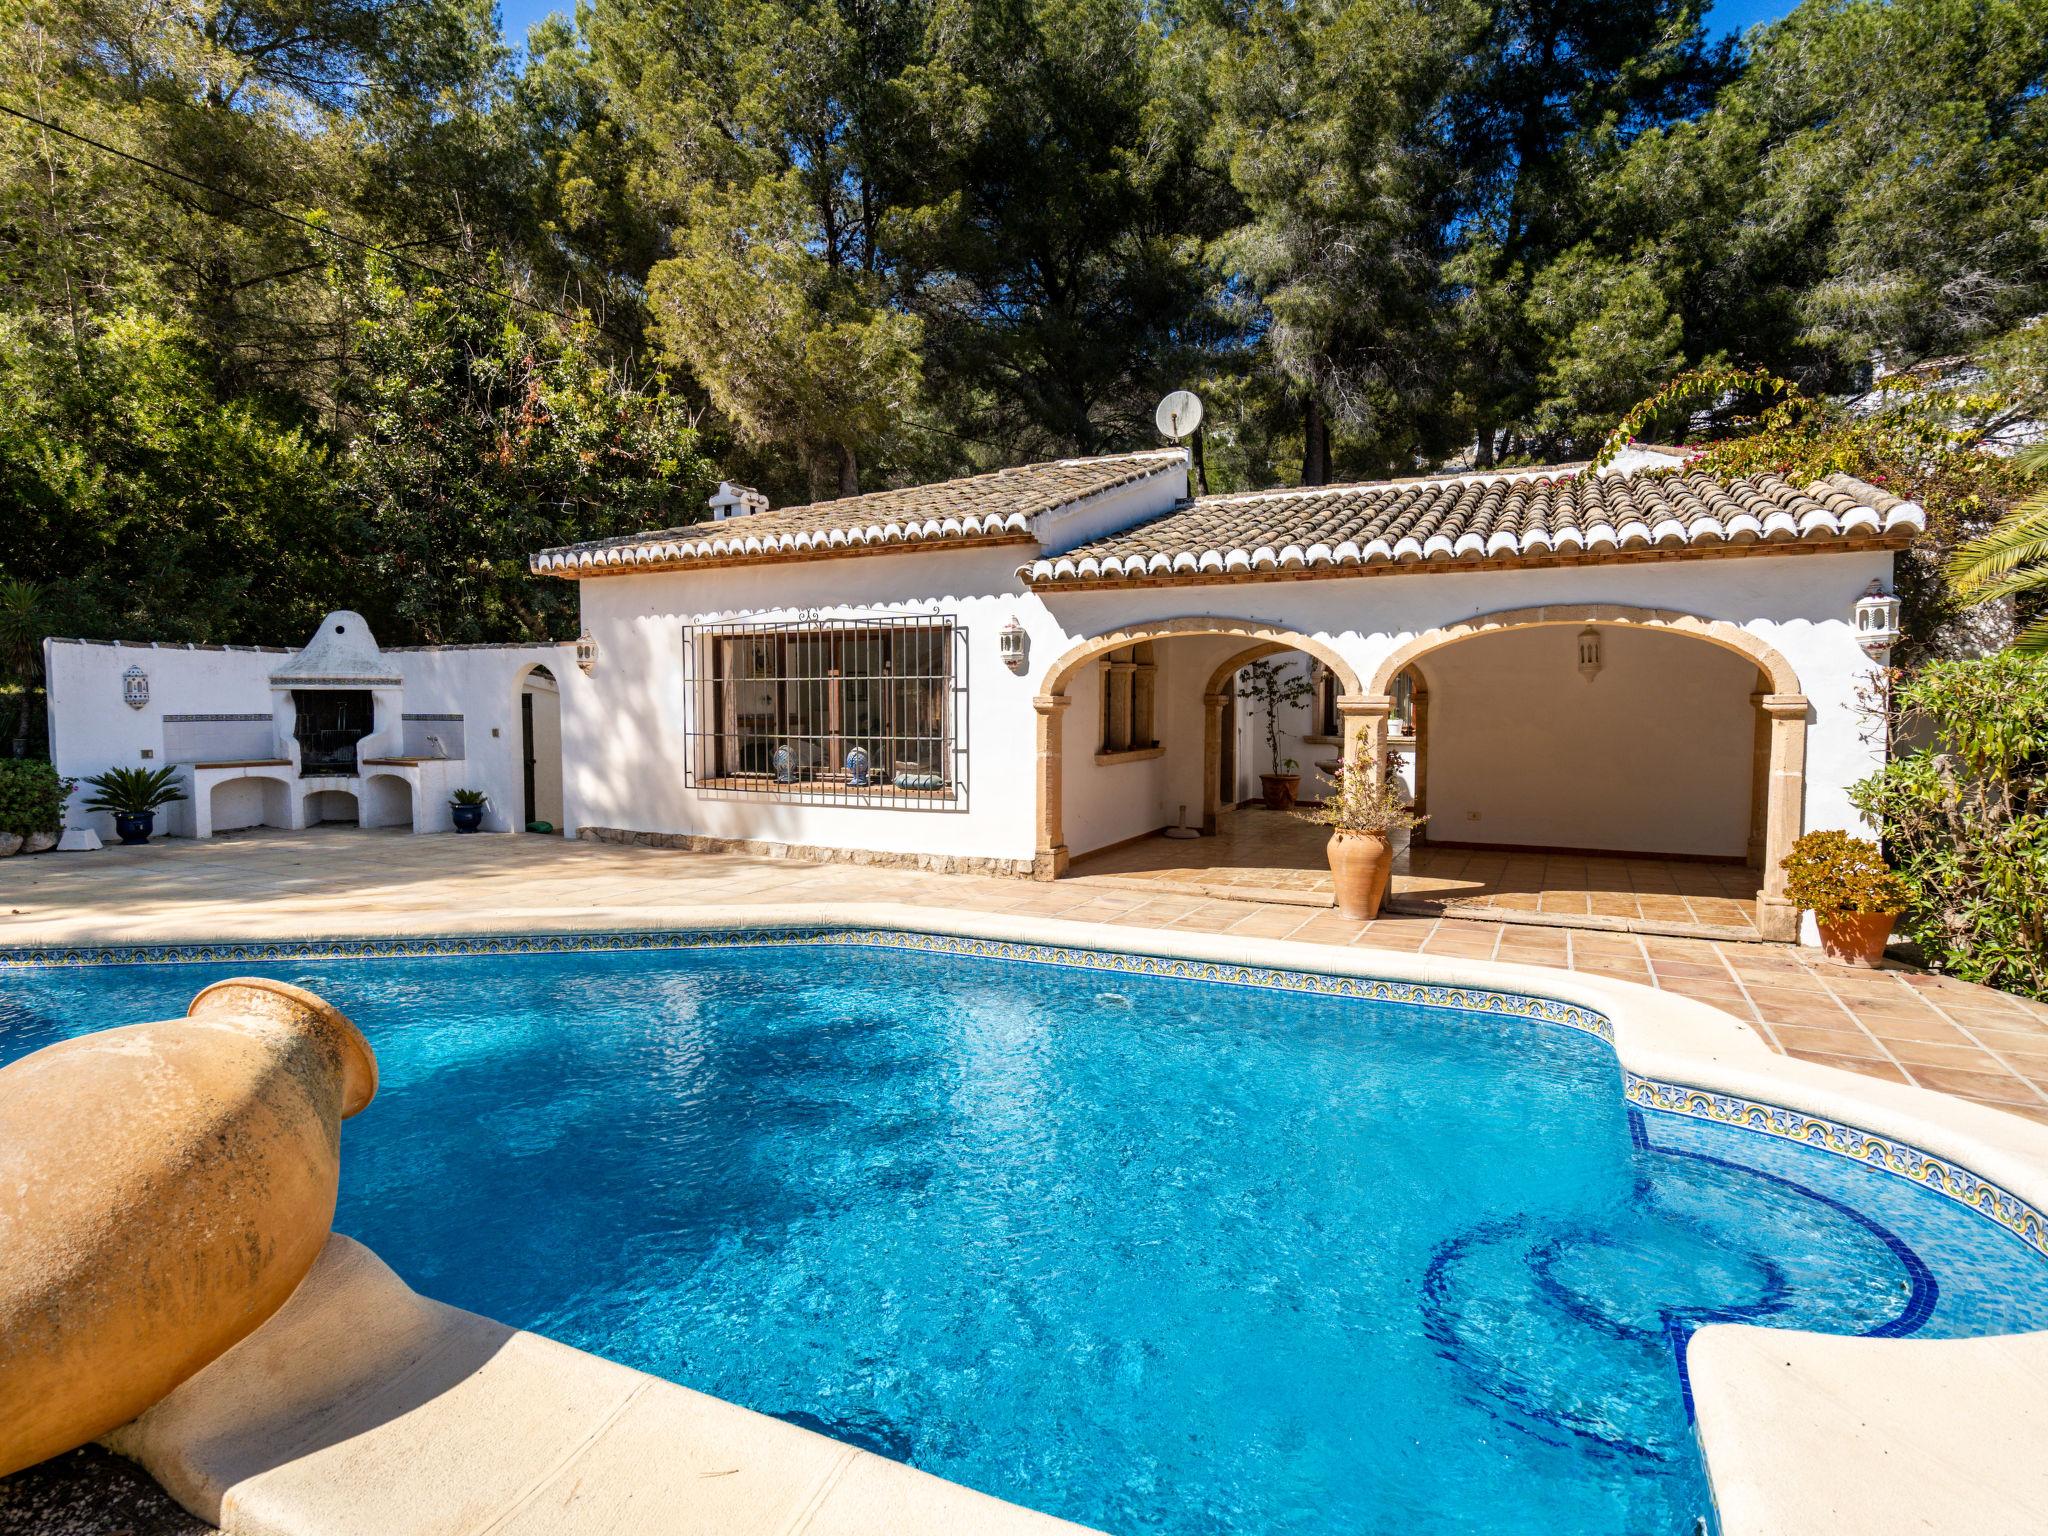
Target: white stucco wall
<point>1654,755</point>
<point>624,726</point>
<point>92,729</point>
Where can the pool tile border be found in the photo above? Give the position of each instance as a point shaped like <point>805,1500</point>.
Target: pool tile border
<point>1886,1153</point>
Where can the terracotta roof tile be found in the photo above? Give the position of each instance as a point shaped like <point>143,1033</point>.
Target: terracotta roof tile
<point>999,505</point>
<point>1529,515</point>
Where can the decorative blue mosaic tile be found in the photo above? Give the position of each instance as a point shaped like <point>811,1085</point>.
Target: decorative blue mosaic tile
<point>1893,1156</point>
<point>1872,1150</point>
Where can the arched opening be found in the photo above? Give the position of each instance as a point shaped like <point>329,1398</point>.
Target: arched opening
<point>332,807</point>
<point>540,750</point>
<point>249,802</point>
<point>387,801</point>
<point>1632,766</point>
<point>1157,732</point>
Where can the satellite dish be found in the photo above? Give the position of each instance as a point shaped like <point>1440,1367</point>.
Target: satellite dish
<point>1178,414</point>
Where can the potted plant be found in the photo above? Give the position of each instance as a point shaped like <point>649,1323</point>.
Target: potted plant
<point>133,795</point>
<point>1853,896</point>
<point>467,807</point>
<point>1362,812</point>
<point>31,804</point>
<point>1272,687</point>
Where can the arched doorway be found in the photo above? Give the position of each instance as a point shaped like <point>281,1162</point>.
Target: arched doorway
<point>540,748</point>
<point>1229,644</point>
<point>1605,731</point>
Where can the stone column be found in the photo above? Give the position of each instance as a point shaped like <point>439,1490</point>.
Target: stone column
<point>1117,677</point>
<point>1050,860</point>
<point>1144,704</point>
<point>1759,777</point>
<point>1785,811</point>
<point>1419,701</point>
<point>1213,706</point>
<point>1364,717</point>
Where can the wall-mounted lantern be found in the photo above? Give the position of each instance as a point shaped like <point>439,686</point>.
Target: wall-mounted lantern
<point>1590,658</point>
<point>586,652</point>
<point>1015,646</point>
<point>1877,621</point>
<point>135,688</point>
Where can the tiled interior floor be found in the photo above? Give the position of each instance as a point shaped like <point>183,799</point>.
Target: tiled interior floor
<point>1719,899</point>
<point>1894,1023</point>
<point>1261,855</point>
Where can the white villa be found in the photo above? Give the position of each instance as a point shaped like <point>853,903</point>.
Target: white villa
<point>1010,672</point>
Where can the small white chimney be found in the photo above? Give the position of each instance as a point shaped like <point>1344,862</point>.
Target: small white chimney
<point>735,501</point>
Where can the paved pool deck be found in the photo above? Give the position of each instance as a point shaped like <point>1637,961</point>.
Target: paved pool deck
<point>1897,1025</point>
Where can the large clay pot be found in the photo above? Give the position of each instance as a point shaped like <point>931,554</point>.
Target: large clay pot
<point>1360,866</point>
<point>1855,938</point>
<point>163,1188</point>
<point>1279,790</point>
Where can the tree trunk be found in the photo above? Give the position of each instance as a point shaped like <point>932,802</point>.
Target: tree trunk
<point>849,471</point>
<point>1315,444</point>
<point>1482,449</point>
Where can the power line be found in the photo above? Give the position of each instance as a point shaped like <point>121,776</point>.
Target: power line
<point>292,218</point>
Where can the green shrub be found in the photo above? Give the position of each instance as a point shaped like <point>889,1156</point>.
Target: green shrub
<point>1965,818</point>
<point>1831,872</point>
<point>31,796</point>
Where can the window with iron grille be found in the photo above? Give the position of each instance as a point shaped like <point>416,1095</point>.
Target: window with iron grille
<point>837,711</point>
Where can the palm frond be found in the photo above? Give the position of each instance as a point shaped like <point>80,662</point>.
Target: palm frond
<point>2033,640</point>
<point>2021,537</point>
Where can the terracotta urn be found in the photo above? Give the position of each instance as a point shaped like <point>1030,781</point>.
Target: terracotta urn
<point>1279,790</point>
<point>163,1188</point>
<point>1361,864</point>
<point>1854,938</point>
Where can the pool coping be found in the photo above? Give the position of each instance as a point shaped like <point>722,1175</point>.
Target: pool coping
<point>1678,1056</point>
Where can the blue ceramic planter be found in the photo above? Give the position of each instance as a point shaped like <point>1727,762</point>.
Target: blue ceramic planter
<point>134,827</point>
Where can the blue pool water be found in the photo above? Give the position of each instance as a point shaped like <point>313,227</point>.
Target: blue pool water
<point>1156,1255</point>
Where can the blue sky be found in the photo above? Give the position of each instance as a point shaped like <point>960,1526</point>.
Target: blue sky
<point>1727,15</point>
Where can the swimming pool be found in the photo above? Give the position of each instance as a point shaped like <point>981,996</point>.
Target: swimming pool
<point>1150,1253</point>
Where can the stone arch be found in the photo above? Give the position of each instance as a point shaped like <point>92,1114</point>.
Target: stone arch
<point>1215,701</point>
<point>386,800</point>
<point>1778,748</point>
<point>1731,637</point>
<point>1051,703</point>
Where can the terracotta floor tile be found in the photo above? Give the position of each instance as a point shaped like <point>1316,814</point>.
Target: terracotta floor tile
<point>1989,1087</point>
<point>1866,1065</point>
<point>1800,1038</point>
<point>1805,1018</point>
<point>1918,1053</point>
<point>1773,997</point>
<point>1933,1030</point>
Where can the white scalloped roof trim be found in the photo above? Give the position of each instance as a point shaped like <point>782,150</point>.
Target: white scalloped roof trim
<point>735,539</point>
<point>1778,527</point>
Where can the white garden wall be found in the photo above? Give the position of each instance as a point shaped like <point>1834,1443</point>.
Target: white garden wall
<point>211,705</point>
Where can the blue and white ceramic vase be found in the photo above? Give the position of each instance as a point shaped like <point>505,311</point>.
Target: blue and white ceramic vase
<point>857,767</point>
<point>784,762</point>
